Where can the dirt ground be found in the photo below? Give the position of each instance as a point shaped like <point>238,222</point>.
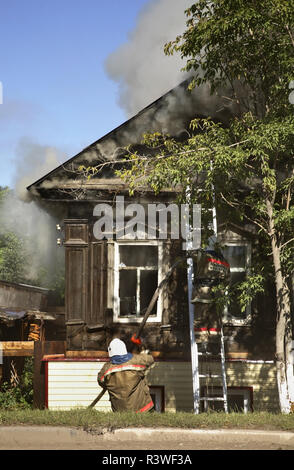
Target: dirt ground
<point>65,438</point>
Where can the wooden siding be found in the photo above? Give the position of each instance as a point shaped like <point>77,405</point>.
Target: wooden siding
<point>177,381</point>
<point>259,375</point>
<point>74,383</point>
<point>22,296</point>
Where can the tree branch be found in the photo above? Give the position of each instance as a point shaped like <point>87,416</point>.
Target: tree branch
<point>234,206</point>
<point>290,34</point>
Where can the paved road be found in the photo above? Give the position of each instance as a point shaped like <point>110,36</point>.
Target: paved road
<point>65,438</point>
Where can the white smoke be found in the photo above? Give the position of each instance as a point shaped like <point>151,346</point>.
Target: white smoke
<point>33,161</point>
<point>144,73</point>
<point>23,216</point>
<point>142,70</point>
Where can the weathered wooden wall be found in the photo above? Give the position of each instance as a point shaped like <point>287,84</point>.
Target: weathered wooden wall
<point>14,295</point>
<point>89,302</point>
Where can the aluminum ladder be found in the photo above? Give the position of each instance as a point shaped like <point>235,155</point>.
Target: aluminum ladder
<point>222,375</point>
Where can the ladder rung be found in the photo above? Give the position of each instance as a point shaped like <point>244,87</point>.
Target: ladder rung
<point>212,376</point>
<point>208,354</point>
<point>212,399</point>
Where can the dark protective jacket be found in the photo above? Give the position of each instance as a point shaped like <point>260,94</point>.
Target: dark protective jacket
<point>126,384</point>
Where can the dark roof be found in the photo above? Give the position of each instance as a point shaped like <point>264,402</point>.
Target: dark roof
<point>28,287</point>
<point>12,314</point>
<point>9,316</point>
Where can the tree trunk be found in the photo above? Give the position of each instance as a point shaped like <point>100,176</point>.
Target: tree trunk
<point>290,357</point>
<point>290,376</point>
<point>283,325</point>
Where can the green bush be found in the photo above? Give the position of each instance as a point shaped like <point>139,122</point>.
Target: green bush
<point>20,396</point>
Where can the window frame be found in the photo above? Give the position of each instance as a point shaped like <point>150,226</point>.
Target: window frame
<point>116,300</point>
<point>227,317</point>
<point>246,392</point>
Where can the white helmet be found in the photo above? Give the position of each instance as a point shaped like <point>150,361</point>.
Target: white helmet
<point>117,348</point>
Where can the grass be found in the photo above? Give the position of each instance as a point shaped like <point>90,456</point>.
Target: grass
<point>89,418</point>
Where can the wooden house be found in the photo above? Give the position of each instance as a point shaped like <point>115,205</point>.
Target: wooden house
<point>110,281</point>
<point>24,319</point>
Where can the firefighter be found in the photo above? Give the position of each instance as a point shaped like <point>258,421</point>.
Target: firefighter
<point>211,270</point>
<point>124,379</point>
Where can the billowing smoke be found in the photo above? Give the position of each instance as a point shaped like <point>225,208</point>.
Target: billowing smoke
<point>24,217</point>
<point>144,73</point>
<point>33,161</point>
<point>140,66</point>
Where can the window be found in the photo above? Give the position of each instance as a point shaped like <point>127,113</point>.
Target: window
<point>137,275</point>
<point>240,399</point>
<point>239,256</point>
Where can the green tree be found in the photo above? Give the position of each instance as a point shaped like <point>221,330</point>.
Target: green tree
<point>13,255</point>
<point>245,46</point>
<point>12,258</point>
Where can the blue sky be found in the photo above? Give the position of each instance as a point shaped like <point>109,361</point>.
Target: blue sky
<point>55,88</point>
